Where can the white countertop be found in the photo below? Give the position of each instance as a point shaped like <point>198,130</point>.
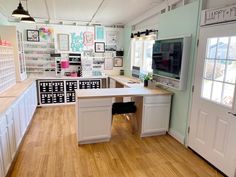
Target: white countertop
<point>17,89</point>
<point>69,78</point>
<point>119,92</point>
<point>135,88</point>
<point>128,81</point>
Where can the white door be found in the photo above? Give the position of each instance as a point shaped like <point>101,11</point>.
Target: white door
<point>213,125</point>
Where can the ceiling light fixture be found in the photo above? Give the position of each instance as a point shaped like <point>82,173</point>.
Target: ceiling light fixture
<point>27,19</point>
<point>132,35</point>
<point>138,34</point>
<point>20,12</point>
<point>147,32</point>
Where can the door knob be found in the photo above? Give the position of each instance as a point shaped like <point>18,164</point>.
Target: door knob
<point>234,114</point>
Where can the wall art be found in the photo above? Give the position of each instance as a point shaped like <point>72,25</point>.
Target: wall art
<point>99,47</point>
<point>88,38</point>
<point>118,62</point>
<point>32,35</point>
<point>77,43</point>
<point>99,33</point>
<point>46,34</point>
<point>111,37</point>
<point>63,42</point>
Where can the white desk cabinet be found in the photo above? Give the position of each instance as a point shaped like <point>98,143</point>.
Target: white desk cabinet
<point>4,143</point>
<point>14,120</point>
<point>17,123</point>
<point>11,133</point>
<point>94,120</point>
<point>2,173</point>
<point>156,115</point>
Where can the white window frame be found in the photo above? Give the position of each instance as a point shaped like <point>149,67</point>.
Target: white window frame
<point>133,42</point>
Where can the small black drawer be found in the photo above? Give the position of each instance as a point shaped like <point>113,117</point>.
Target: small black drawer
<point>58,98</point>
<point>70,97</point>
<point>46,98</point>
<point>71,86</point>
<point>58,86</point>
<point>45,87</point>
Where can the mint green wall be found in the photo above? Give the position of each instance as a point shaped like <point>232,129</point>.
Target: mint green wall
<point>181,21</point>
<point>127,50</point>
<point>3,20</point>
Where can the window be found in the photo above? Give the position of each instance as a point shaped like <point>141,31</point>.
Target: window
<point>142,53</point>
<point>219,75</point>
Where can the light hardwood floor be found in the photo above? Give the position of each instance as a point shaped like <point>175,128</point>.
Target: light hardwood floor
<point>50,150</point>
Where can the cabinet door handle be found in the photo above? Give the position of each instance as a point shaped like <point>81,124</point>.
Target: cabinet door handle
<point>234,114</point>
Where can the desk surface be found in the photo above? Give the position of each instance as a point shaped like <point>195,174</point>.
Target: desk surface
<point>17,89</point>
<point>119,92</point>
<point>128,81</point>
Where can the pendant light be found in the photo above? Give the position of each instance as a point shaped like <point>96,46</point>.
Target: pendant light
<point>27,19</point>
<point>20,12</point>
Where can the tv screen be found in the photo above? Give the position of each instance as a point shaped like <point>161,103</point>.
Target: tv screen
<point>167,57</point>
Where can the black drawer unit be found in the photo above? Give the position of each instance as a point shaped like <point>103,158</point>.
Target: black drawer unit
<point>95,84</point>
<point>58,98</point>
<point>84,84</point>
<point>70,97</point>
<point>89,84</point>
<point>71,86</point>
<point>58,86</point>
<point>70,91</point>
<point>45,87</point>
<point>46,98</point>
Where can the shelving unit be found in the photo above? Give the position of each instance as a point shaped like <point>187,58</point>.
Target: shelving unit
<point>57,92</point>
<point>7,68</point>
<point>38,59</point>
<point>15,37</point>
<point>21,53</point>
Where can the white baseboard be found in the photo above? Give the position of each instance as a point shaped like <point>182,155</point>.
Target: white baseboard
<point>180,138</point>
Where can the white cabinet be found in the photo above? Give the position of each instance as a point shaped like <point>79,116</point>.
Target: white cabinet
<point>4,143</point>
<point>112,83</point>
<point>156,114</point>
<point>94,120</point>
<point>22,113</point>
<point>11,133</point>
<point>2,173</point>
<point>13,124</point>
<point>17,123</point>
<point>27,105</point>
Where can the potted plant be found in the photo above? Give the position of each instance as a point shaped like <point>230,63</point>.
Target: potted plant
<point>146,78</point>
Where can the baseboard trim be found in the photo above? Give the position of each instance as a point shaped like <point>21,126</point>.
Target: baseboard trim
<point>180,138</point>
<point>147,134</point>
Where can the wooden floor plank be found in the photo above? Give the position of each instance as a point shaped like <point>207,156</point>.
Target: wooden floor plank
<point>50,150</point>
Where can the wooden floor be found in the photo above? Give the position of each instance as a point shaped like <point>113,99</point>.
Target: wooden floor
<point>50,150</point>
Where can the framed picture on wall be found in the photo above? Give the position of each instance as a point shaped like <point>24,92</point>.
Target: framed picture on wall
<point>118,62</point>
<point>99,33</point>
<point>63,42</point>
<point>99,47</point>
<point>108,64</point>
<point>32,35</point>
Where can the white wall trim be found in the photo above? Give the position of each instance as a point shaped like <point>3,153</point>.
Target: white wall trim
<point>176,135</point>
<point>155,10</point>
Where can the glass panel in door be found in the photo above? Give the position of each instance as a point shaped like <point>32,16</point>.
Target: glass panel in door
<point>218,82</point>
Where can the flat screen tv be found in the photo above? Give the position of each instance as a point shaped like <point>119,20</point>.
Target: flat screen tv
<point>167,57</point>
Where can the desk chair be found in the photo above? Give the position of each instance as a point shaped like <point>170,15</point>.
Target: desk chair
<point>126,108</point>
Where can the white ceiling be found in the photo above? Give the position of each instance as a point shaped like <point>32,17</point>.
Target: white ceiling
<point>111,11</point>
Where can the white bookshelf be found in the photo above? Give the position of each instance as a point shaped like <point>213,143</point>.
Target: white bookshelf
<point>14,36</point>
<point>38,59</point>
<point>7,68</point>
